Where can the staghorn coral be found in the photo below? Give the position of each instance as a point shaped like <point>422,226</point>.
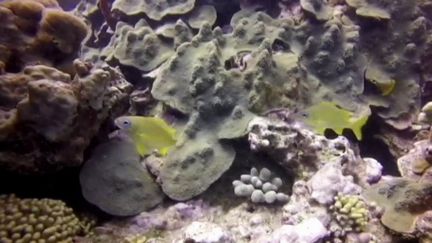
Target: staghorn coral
<point>41,220</point>
<point>52,118</point>
<point>32,32</point>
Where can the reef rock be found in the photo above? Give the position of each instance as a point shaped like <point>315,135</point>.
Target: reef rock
<point>114,180</point>
<point>33,32</point>
<point>201,232</point>
<point>302,152</point>
<point>417,163</point>
<point>51,118</point>
<point>329,181</point>
<point>403,200</point>
<point>308,231</point>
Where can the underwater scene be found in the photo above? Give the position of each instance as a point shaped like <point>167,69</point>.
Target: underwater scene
<point>216,121</point>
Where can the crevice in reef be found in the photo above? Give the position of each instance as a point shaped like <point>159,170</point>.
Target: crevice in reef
<point>372,146</point>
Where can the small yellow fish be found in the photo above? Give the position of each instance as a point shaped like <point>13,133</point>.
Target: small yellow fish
<point>327,115</point>
<point>148,133</point>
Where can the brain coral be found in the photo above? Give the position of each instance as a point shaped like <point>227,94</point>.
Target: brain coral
<point>38,220</point>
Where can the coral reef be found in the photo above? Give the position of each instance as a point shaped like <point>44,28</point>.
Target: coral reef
<point>260,187</point>
<point>351,214</point>
<point>425,116</point>
<point>51,118</point>
<point>370,9</point>
<point>276,74</point>
<point>154,9</point>
<point>203,232</point>
<point>403,201</point>
<point>302,152</point>
<point>320,9</point>
<point>32,32</point>
<point>138,47</point>
<point>115,181</point>
<point>316,210</point>
<point>393,62</point>
<point>309,230</point>
<point>417,163</point>
<point>39,220</point>
<point>201,15</point>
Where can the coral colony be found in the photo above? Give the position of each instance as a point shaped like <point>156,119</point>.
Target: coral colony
<point>203,121</point>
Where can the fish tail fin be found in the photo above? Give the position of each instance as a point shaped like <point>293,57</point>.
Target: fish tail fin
<point>164,151</point>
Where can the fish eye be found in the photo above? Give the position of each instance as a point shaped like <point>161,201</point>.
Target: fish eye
<point>125,123</point>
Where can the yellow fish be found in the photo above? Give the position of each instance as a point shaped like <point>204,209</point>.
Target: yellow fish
<point>148,133</point>
<point>327,115</point>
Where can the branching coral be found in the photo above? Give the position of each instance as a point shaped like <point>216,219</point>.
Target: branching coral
<point>351,214</point>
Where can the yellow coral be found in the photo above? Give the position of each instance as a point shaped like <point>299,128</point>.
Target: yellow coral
<point>351,212</point>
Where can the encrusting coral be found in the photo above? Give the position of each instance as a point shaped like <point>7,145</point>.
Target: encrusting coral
<point>154,9</point>
<point>403,200</point>
<point>118,163</point>
<point>38,220</point>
